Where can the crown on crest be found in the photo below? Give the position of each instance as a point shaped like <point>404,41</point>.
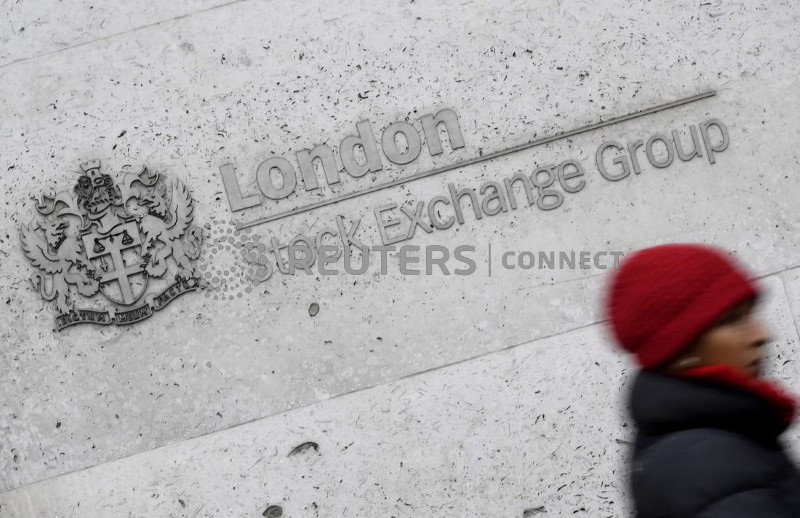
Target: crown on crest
<point>91,167</point>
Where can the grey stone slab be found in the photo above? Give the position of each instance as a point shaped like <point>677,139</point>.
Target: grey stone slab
<point>33,29</point>
<point>538,426</point>
<point>786,363</point>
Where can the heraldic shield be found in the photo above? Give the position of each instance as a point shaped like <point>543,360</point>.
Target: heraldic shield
<point>118,263</point>
<point>104,242</point>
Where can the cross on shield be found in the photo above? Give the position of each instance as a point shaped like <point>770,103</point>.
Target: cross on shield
<point>120,267</point>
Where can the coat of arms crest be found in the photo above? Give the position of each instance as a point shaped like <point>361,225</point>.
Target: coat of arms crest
<point>104,242</point>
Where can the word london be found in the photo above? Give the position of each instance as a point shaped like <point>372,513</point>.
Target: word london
<point>359,155</point>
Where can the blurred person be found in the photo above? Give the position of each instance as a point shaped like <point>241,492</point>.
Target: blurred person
<point>708,425</point>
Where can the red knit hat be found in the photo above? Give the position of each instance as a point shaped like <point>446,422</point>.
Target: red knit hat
<point>663,298</point>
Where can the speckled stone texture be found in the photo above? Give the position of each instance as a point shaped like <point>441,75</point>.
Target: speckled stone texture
<point>429,395</point>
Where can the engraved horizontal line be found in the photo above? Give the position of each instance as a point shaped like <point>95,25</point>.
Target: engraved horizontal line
<point>481,158</point>
<point>113,35</point>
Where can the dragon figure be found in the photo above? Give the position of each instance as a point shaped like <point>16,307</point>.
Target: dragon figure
<point>167,223</point>
<point>61,260</point>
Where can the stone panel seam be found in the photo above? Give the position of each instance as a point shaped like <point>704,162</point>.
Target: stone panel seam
<point>116,34</point>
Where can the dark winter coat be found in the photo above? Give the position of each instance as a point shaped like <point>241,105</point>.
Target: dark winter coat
<point>708,449</point>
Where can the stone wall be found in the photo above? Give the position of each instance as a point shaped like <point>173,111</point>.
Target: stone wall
<point>494,393</point>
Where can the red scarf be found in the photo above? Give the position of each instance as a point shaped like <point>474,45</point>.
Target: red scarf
<point>785,403</point>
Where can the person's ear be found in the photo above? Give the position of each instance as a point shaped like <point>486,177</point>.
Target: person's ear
<point>687,362</point>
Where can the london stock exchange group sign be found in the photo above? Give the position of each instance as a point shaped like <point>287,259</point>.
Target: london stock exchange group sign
<point>101,247</point>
